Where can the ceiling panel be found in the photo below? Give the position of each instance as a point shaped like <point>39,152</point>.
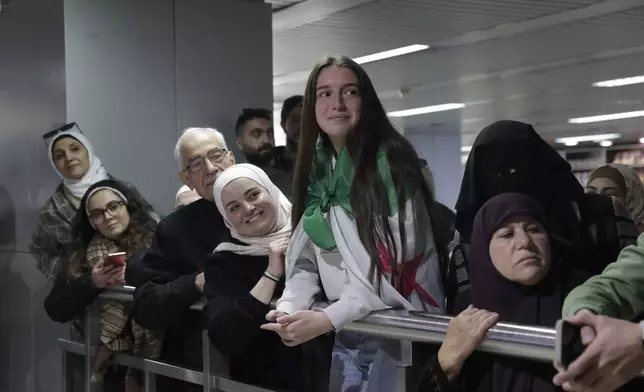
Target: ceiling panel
<point>521,59</point>
<point>387,24</point>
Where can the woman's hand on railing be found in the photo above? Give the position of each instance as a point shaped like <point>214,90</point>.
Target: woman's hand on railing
<point>273,315</point>
<point>104,275</point>
<point>300,327</point>
<point>465,332</point>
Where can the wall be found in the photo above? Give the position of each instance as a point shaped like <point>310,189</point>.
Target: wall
<point>224,62</point>
<point>138,72</point>
<point>32,101</point>
<point>121,90</point>
<point>440,147</point>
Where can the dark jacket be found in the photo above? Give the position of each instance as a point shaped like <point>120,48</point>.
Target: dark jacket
<point>165,280</point>
<point>234,316</point>
<point>68,300</point>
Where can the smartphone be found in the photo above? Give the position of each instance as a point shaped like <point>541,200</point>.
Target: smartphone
<point>568,346</point>
<point>117,259</point>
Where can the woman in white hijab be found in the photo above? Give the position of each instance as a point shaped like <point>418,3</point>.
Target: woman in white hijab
<point>245,274</point>
<point>72,156</point>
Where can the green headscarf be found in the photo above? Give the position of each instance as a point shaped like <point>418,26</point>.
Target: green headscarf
<point>330,186</point>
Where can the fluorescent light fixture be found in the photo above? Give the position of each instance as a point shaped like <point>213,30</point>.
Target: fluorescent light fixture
<point>571,144</point>
<point>466,148</point>
<point>606,117</point>
<point>426,109</point>
<point>605,143</point>
<point>390,53</point>
<point>620,82</point>
<point>587,138</point>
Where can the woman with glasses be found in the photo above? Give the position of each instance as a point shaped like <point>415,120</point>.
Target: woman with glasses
<point>72,157</point>
<point>111,219</point>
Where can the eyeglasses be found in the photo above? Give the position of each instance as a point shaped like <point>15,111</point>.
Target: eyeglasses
<point>215,156</point>
<point>97,216</point>
<point>50,135</point>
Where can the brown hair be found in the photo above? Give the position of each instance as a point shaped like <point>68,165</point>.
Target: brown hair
<point>368,195</point>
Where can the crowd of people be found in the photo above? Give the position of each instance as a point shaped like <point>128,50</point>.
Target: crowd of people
<point>345,213</point>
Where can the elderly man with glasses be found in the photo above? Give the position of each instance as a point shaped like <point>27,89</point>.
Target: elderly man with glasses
<point>169,276</point>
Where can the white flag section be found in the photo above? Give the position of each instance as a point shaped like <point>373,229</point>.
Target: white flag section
<point>344,272</point>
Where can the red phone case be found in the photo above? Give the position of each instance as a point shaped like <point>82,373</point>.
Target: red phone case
<point>116,258</point>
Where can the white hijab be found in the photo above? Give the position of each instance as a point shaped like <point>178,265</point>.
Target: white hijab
<point>257,246</point>
<point>95,172</point>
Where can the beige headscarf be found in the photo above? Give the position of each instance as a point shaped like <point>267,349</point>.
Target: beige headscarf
<point>633,192</point>
<point>257,246</point>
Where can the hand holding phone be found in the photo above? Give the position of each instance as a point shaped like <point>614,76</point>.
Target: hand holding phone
<point>116,259</point>
<point>569,345</point>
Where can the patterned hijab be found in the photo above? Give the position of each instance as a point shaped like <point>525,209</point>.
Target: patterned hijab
<point>629,183</point>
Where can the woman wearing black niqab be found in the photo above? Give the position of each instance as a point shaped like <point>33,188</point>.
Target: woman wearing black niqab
<point>509,156</point>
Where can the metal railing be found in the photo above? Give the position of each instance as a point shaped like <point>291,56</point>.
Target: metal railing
<point>533,343</point>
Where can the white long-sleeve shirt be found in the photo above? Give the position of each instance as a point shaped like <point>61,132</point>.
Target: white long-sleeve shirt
<point>343,272</point>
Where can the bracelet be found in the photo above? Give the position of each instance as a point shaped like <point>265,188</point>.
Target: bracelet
<point>271,277</point>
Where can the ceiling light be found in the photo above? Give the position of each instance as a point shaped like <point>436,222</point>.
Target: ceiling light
<point>426,109</point>
<point>571,144</point>
<point>587,138</point>
<point>606,117</point>
<point>620,82</point>
<point>390,53</point>
<point>466,148</point>
<point>642,140</point>
<point>605,143</point>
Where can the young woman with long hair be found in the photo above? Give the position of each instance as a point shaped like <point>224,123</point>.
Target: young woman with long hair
<point>363,227</point>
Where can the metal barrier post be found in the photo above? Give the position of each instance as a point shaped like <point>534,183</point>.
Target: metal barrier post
<point>150,381</point>
<point>88,349</point>
<point>404,362</point>
<point>205,355</point>
<point>65,370</point>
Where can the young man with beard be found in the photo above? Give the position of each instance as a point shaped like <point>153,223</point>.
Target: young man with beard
<point>255,138</point>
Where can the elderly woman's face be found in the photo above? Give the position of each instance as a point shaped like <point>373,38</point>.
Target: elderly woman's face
<point>249,207</point>
<point>71,158</point>
<point>108,214</point>
<point>520,251</point>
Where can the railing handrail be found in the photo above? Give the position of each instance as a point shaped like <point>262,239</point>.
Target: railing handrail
<point>534,343</point>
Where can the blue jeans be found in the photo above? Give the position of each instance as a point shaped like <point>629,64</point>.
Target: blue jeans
<point>362,364</point>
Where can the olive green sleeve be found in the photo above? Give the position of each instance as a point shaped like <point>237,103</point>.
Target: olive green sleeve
<point>618,292</point>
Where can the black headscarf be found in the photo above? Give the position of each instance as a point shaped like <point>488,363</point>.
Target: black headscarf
<point>509,156</point>
<point>538,305</point>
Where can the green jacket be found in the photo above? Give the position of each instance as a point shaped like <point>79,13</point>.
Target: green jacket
<point>618,292</point>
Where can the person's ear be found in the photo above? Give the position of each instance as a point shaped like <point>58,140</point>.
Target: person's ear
<point>239,143</point>
<point>232,157</point>
<point>183,176</point>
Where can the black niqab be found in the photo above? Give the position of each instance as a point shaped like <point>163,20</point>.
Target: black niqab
<point>509,156</point>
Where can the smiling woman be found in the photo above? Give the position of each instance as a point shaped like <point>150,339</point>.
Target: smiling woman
<point>245,274</point>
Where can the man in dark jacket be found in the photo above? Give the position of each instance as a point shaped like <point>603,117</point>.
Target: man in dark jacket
<point>255,138</point>
<point>169,277</point>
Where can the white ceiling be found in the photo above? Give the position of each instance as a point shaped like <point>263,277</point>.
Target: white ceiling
<point>530,60</point>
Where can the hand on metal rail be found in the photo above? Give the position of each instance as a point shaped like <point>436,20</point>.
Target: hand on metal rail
<point>614,355</point>
<point>300,326</point>
<point>465,332</point>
